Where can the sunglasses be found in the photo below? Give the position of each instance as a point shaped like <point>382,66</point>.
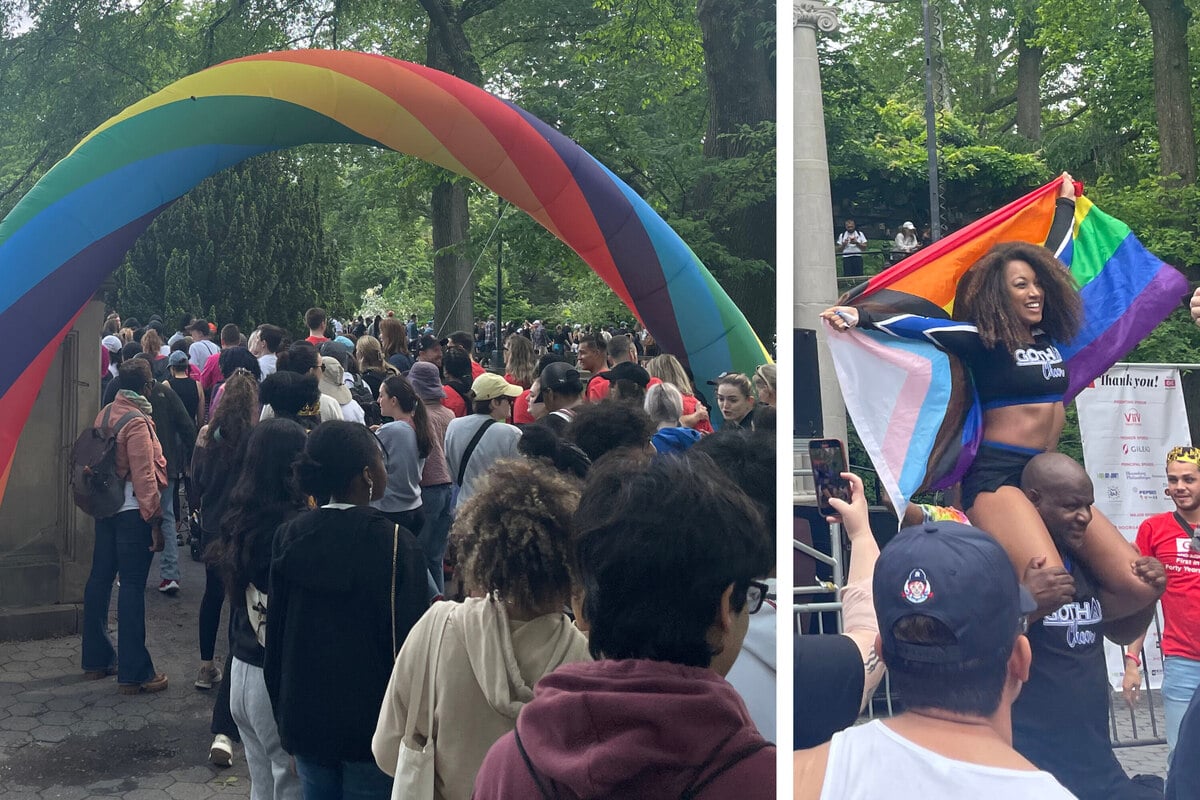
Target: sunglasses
<point>756,593</point>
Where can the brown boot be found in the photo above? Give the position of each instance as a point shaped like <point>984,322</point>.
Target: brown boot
<point>156,684</point>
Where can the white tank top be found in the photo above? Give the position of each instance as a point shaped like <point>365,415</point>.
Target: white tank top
<point>873,762</point>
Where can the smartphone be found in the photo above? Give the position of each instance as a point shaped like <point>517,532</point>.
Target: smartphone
<point>828,457</point>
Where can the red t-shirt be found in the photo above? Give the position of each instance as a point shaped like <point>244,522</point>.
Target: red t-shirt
<point>1162,537</point>
<point>597,390</point>
<point>689,407</point>
<point>454,401</point>
<point>317,341</point>
<point>521,415</point>
<point>476,369</point>
<point>508,377</point>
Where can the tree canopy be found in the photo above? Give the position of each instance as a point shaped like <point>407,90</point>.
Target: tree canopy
<point>627,80</point>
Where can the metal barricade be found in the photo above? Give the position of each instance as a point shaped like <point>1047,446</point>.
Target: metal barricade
<point>1150,700</point>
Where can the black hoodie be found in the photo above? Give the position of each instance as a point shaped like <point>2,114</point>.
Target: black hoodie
<point>329,628</point>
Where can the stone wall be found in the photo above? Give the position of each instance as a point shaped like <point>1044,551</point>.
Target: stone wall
<point>45,542</point>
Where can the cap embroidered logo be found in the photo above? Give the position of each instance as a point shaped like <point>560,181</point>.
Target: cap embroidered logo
<point>917,589</point>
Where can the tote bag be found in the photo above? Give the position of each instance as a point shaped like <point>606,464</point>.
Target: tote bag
<point>415,763</point>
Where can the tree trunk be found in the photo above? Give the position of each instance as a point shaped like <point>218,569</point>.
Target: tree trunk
<point>1172,88</point>
<point>1029,82</point>
<point>451,271</point>
<point>448,49</point>
<point>740,72</point>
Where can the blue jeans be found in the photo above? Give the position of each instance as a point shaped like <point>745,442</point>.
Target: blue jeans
<point>1181,677</point>
<point>435,500</point>
<point>168,563</point>
<point>122,547</point>
<point>346,780</point>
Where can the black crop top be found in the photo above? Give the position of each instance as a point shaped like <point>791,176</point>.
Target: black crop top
<point>1032,373</point>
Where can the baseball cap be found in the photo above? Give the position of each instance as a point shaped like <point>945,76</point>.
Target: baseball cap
<point>958,575</point>
<point>489,386</point>
<point>111,343</point>
<point>558,376</point>
<point>177,359</point>
<point>426,381</point>
<point>908,226</point>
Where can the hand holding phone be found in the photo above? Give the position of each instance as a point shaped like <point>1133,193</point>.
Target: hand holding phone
<point>828,458</point>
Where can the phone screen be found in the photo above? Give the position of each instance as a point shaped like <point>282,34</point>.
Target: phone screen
<point>828,457</point>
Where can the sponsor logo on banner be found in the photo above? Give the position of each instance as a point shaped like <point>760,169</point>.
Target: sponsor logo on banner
<point>1129,449</point>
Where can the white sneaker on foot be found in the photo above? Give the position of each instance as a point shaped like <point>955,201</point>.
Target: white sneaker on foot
<point>220,754</point>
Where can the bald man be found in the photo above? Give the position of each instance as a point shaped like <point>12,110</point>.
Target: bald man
<point>1060,719</point>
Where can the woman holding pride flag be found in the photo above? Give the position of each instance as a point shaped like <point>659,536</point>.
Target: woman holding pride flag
<point>1012,309</point>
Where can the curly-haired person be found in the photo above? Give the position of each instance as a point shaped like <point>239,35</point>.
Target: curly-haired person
<point>480,659</point>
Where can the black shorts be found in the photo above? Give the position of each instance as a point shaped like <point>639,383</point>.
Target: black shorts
<point>995,465</point>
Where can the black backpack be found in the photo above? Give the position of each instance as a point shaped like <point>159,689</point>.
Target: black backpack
<point>97,490</point>
<point>360,392</point>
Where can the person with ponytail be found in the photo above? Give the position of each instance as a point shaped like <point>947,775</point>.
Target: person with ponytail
<point>406,445</point>
<point>347,585</point>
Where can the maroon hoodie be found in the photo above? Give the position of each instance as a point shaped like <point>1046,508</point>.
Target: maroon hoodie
<point>631,729</point>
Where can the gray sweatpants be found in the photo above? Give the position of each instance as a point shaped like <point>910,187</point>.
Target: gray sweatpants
<point>271,775</point>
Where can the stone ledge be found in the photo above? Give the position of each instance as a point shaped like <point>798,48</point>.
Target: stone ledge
<point>40,622</point>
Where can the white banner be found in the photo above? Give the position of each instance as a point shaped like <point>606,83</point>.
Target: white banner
<point>1129,418</point>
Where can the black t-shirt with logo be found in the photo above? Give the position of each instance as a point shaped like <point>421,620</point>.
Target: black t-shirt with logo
<point>1060,719</point>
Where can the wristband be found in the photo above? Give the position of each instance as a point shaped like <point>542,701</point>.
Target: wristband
<point>1134,659</point>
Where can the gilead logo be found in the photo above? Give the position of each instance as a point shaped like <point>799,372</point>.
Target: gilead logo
<point>1135,448</point>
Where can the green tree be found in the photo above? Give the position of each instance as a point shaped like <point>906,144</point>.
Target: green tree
<point>246,246</point>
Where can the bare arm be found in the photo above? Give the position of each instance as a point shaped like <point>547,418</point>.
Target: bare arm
<point>1148,579</point>
<point>858,608</point>
<point>1133,670</point>
<point>1129,630</point>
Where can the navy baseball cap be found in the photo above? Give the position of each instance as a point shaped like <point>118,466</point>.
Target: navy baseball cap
<point>955,574</point>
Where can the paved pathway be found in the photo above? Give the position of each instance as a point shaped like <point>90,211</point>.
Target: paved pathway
<point>63,738</point>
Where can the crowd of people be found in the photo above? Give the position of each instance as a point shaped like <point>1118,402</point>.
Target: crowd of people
<point>498,583</point>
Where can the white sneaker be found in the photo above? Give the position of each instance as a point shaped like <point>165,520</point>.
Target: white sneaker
<point>220,754</point>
